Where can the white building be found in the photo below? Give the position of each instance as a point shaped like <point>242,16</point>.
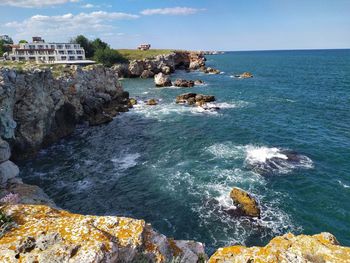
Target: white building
<point>55,53</point>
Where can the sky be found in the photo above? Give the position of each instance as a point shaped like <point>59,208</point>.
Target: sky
<point>184,24</point>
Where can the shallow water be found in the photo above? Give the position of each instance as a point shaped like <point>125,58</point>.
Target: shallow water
<point>174,166</point>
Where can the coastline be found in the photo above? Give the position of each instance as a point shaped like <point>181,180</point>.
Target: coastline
<point>232,254</point>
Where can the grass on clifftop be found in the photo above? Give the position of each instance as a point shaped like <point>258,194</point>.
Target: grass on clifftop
<point>135,54</point>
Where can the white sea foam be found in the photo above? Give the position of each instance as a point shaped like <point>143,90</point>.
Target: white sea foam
<point>262,154</point>
<point>127,161</point>
<point>343,185</point>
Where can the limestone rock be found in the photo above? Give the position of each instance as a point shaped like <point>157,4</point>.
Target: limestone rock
<point>147,74</point>
<point>245,202</point>
<point>198,82</point>
<point>288,248</point>
<point>152,102</point>
<point>8,170</point>
<point>184,83</point>
<point>210,70</point>
<point>162,80</point>
<point>193,97</point>
<point>5,151</point>
<point>136,68</point>
<point>49,235</point>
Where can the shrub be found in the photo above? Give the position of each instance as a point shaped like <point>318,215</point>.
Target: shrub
<point>108,57</point>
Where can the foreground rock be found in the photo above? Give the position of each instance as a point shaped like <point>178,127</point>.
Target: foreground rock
<point>162,80</point>
<point>41,105</point>
<point>48,235</point>
<point>245,202</point>
<point>184,83</point>
<point>244,75</point>
<point>287,248</point>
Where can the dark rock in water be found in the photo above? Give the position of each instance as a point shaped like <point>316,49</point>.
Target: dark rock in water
<point>152,102</point>
<point>244,75</point>
<point>199,100</point>
<point>184,83</point>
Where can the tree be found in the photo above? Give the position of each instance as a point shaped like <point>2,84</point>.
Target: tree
<point>99,44</point>
<point>4,47</point>
<point>23,41</point>
<point>108,57</point>
<point>84,43</point>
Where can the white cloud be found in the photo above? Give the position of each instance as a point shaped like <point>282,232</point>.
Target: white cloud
<point>59,28</point>
<point>35,3</point>
<point>171,11</point>
<point>88,6</point>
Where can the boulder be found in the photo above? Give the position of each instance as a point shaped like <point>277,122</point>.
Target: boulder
<point>244,75</point>
<point>45,234</point>
<point>193,98</point>
<point>152,102</point>
<point>184,83</point>
<point>183,98</point>
<point>147,74</point>
<point>205,98</point>
<point>210,70</point>
<point>162,80</point>
<point>132,102</point>
<point>8,170</point>
<point>166,70</point>
<point>322,247</point>
<point>5,151</point>
<point>136,68</point>
<point>245,202</point>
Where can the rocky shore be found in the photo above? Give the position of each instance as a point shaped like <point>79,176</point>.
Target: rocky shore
<point>39,106</point>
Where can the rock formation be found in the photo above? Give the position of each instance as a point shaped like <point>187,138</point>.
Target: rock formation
<point>44,234</point>
<point>152,102</point>
<point>162,80</point>
<point>40,106</point>
<point>184,83</point>
<point>288,248</point>
<point>209,70</point>
<point>244,75</point>
<point>245,202</point>
<point>194,99</point>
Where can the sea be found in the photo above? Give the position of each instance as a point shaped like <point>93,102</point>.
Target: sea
<point>174,165</point>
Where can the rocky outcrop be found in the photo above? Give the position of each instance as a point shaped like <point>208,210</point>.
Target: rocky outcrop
<point>162,80</point>
<point>244,75</point>
<point>44,234</point>
<point>194,99</point>
<point>288,248</point>
<point>246,204</point>
<point>166,64</point>
<point>40,106</point>
<point>209,70</point>
<point>184,83</point>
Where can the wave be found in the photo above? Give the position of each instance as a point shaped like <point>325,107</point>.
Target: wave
<point>262,159</point>
<point>343,185</point>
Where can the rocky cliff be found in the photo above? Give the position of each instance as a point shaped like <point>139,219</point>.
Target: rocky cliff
<point>166,64</point>
<point>39,106</point>
<point>48,235</point>
<point>288,248</point>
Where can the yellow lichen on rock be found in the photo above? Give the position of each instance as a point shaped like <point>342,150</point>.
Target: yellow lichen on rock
<point>287,248</point>
<point>245,202</point>
<point>44,234</point>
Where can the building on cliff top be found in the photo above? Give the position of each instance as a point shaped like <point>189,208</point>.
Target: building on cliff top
<point>144,47</point>
<point>53,53</point>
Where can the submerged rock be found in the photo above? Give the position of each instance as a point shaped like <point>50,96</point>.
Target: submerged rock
<point>44,234</point>
<point>162,80</point>
<point>244,75</point>
<point>246,203</point>
<point>288,248</point>
<point>152,102</point>
<point>184,83</point>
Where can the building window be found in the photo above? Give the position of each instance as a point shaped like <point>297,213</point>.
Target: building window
<point>51,58</point>
<point>21,58</point>
<point>71,58</point>
<point>63,58</point>
<point>59,46</point>
<point>52,46</point>
<point>67,46</point>
<point>31,58</point>
<point>70,52</point>
<point>61,52</point>
<point>80,57</point>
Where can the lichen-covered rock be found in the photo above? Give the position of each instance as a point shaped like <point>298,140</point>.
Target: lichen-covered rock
<point>246,203</point>
<point>42,105</point>
<point>47,235</point>
<point>162,80</point>
<point>209,70</point>
<point>287,249</point>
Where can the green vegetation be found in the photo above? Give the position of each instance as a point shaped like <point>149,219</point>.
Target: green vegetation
<point>4,47</point>
<point>99,51</point>
<point>135,54</point>
<point>23,41</point>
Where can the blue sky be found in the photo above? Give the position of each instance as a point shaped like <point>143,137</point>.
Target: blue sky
<point>190,24</point>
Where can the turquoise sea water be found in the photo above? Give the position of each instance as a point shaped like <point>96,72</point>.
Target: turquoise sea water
<point>174,166</point>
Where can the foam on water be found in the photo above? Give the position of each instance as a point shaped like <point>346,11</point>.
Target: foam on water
<point>343,185</point>
<point>127,161</point>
